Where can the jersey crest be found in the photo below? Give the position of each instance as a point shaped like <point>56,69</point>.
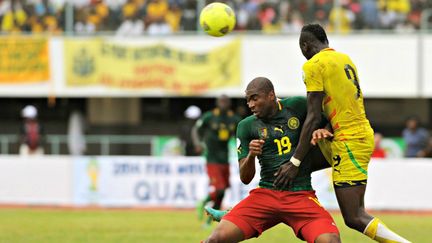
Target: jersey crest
<point>293,123</point>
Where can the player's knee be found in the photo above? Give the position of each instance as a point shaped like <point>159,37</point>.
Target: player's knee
<point>217,237</point>
<point>328,238</point>
<point>354,223</point>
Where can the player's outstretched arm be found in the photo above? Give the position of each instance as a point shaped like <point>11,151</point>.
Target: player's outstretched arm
<point>247,164</point>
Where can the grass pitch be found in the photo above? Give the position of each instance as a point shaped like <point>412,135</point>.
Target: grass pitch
<point>63,225</point>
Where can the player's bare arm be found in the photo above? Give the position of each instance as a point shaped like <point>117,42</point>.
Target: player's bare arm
<point>196,139</point>
<point>247,165</point>
<point>289,170</point>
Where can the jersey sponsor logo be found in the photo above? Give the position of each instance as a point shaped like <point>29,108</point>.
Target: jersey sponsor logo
<point>279,129</point>
<point>293,123</point>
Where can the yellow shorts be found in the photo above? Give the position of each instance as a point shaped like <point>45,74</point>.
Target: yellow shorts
<point>349,159</point>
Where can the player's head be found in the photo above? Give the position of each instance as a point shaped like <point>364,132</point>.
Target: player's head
<point>261,97</point>
<point>313,39</point>
<point>223,102</point>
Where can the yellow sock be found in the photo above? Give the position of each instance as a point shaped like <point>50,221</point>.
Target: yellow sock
<point>377,230</point>
<point>371,228</point>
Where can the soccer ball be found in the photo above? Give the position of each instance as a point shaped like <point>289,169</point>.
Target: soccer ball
<point>217,19</point>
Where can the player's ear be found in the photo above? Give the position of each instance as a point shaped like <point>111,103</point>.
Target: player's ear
<point>272,95</point>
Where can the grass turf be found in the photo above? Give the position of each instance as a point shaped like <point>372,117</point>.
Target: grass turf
<point>62,225</point>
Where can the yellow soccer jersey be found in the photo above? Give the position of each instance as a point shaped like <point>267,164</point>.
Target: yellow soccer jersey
<point>335,74</point>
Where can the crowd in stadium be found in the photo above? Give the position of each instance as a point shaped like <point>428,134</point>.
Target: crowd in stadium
<point>135,17</point>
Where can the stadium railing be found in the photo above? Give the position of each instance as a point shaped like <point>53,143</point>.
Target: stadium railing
<point>54,141</point>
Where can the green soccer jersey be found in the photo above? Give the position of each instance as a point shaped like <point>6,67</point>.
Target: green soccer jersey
<point>216,128</point>
<point>281,134</point>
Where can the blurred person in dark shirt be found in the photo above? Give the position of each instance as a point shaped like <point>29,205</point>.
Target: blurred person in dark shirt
<point>415,137</point>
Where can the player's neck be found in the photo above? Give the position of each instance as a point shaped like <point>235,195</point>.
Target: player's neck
<point>321,47</point>
<point>274,110</point>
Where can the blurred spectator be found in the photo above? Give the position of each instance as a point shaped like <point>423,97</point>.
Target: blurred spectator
<point>31,133</point>
<point>369,14</point>
<point>83,25</point>
<point>167,16</point>
<point>378,151</point>
<point>190,16</point>
<point>173,17</point>
<point>415,137</point>
<point>14,18</point>
<point>132,23</point>
<point>341,19</point>
<point>192,113</point>
<point>268,18</point>
<point>155,19</point>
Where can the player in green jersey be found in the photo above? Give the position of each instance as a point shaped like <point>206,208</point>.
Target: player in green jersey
<point>212,133</point>
<point>271,134</point>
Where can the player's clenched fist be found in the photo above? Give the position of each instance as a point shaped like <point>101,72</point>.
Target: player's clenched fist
<point>255,147</point>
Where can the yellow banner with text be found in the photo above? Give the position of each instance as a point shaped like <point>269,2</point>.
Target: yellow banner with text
<point>97,62</point>
<point>24,60</point>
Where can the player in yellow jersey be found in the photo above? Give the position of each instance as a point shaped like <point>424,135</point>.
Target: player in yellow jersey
<point>333,89</point>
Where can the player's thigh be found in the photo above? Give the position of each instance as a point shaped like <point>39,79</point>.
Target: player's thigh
<point>350,161</point>
<point>328,238</point>
<point>226,231</point>
<point>320,231</point>
<point>303,212</point>
<point>317,159</point>
<point>218,175</point>
<point>256,213</point>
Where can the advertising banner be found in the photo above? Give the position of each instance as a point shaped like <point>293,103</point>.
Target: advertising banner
<point>98,62</point>
<point>24,60</point>
<point>148,182</point>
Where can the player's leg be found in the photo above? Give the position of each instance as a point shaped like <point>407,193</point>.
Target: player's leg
<point>309,220</point>
<point>328,238</point>
<point>212,173</point>
<point>253,215</point>
<point>221,183</point>
<point>226,231</point>
<point>351,203</point>
<point>350,176</point>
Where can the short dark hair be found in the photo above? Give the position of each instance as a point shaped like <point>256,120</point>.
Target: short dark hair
<point>261,83</point>
<point>317,31</point>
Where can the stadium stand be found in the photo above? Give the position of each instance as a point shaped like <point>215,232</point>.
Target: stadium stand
<point>135,17</point>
